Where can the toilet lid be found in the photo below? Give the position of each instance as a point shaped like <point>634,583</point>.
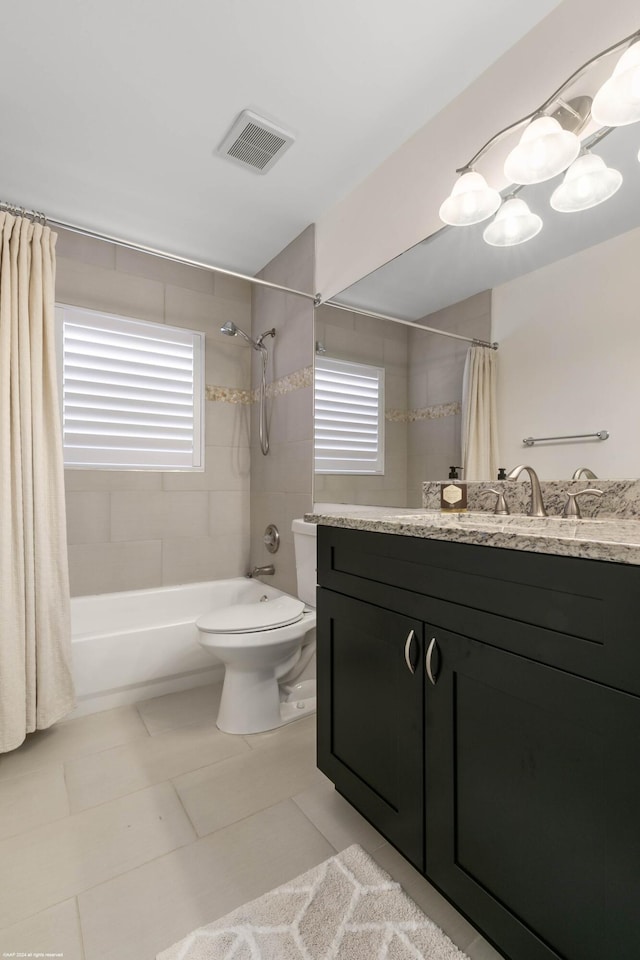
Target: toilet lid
<point>251,617</point>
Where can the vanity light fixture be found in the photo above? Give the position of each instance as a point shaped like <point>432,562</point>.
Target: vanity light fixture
<point>545,149</point>
<point>513,223</point>
<point>587,182</point>
<point>548,145</point>
<point>472,200</point>
<point>617,102</point>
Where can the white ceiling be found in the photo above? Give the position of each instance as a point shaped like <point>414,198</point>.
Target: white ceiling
<point>112,109</point>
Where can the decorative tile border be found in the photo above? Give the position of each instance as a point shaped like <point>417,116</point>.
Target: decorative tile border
<point>293,381</point>
<point>435,412</point>
<point>304,378</point>
<point>227,394</point>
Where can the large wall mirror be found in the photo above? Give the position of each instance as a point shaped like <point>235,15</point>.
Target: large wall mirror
<point>565,310</point>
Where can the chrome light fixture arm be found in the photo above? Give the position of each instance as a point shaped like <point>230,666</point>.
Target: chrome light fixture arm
<point>554,98</point>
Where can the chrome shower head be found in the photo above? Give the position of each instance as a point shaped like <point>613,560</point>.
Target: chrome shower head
<point>230,330</point>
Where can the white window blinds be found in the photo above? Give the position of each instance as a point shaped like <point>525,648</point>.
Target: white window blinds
<point>349,417</point>
<point>132,392</point>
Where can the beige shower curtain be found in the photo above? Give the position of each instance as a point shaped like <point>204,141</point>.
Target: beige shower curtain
<point>36,687</point>
<point>479,418</point>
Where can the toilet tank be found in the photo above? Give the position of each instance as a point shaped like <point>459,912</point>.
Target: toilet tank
<point>304,542</point>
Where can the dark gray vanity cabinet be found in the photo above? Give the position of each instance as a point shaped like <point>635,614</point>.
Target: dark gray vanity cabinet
<point>528,758</point>
<point>370,706</point>
<point>531,826</point>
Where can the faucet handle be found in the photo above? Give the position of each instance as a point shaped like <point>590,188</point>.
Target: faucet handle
<point>501,507</point>
<point>571,507</point>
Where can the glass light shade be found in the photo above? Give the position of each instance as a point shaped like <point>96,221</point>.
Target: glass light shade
<point>617,102</point>
<point>513,223</point>
<point>471,201</point>
<point>587,182</point>
<point>545,149</point>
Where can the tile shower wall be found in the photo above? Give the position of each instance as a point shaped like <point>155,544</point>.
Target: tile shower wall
<point>281,483</point>
<point>436,367</point>
<point>129,530</point>
<point>348,336</point>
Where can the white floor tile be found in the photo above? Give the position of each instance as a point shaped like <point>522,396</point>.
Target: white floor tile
<point>182,709</point>
<point>336,819</point>
<point>228,791</point>
<point>73,738</point>
<point>53,932</point>
<point>147,760</point>
<point>304,728</point>
<point>32,799</point>
<point>57,861</point>
<point>132,856</point>
<point>146,910</point>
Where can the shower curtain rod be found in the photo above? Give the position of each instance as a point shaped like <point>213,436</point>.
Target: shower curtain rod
<point>38,217</point>
<point>408,323</point>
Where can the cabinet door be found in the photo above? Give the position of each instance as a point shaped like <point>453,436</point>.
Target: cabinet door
<point>370,715</point>
<point>532,787</point>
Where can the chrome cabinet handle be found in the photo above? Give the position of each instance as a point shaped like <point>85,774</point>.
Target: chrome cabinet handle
<point>428,662</point>
<point>407,651</point>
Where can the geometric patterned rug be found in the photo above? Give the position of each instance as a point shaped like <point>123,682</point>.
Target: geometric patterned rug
<point>346,908</point>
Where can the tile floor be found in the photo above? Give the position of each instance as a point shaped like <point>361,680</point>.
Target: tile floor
<point>122,831</point>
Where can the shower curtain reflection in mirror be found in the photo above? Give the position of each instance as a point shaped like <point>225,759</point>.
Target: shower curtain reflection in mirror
<point>479,418</point>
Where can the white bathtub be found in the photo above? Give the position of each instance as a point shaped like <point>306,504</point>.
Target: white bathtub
<point>138,644</point>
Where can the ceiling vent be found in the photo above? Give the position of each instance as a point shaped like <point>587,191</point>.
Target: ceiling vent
<point>255,143</point>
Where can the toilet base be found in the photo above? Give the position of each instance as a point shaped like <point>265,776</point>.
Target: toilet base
<point>253,702</point>
<point>296,709</point>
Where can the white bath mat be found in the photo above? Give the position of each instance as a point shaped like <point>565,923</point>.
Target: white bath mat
<point>346,908</point>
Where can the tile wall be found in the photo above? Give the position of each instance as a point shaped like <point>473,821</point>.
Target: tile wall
<point>129,530</point>
<point>281,483</point>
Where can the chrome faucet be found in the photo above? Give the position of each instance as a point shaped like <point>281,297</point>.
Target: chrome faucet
<point>536,507</point>
<point>584,473</point>
<point>266,571</point>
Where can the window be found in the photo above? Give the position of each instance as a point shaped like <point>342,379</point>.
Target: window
<point>131,393</point>
<point>349,417</point>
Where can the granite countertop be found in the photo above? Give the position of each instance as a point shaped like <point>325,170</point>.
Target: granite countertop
<point>614,540</point>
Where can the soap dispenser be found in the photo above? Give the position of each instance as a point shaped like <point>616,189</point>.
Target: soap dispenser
<point>453,493</point>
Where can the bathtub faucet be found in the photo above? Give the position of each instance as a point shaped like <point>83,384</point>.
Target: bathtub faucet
<point>266,571</point>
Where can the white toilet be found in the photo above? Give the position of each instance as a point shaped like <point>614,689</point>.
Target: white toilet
<point>265,645</point>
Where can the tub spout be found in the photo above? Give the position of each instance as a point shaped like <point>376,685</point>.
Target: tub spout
<point>266,571</point>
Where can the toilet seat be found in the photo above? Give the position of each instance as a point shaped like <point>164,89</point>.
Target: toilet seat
<point>252,617</point>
